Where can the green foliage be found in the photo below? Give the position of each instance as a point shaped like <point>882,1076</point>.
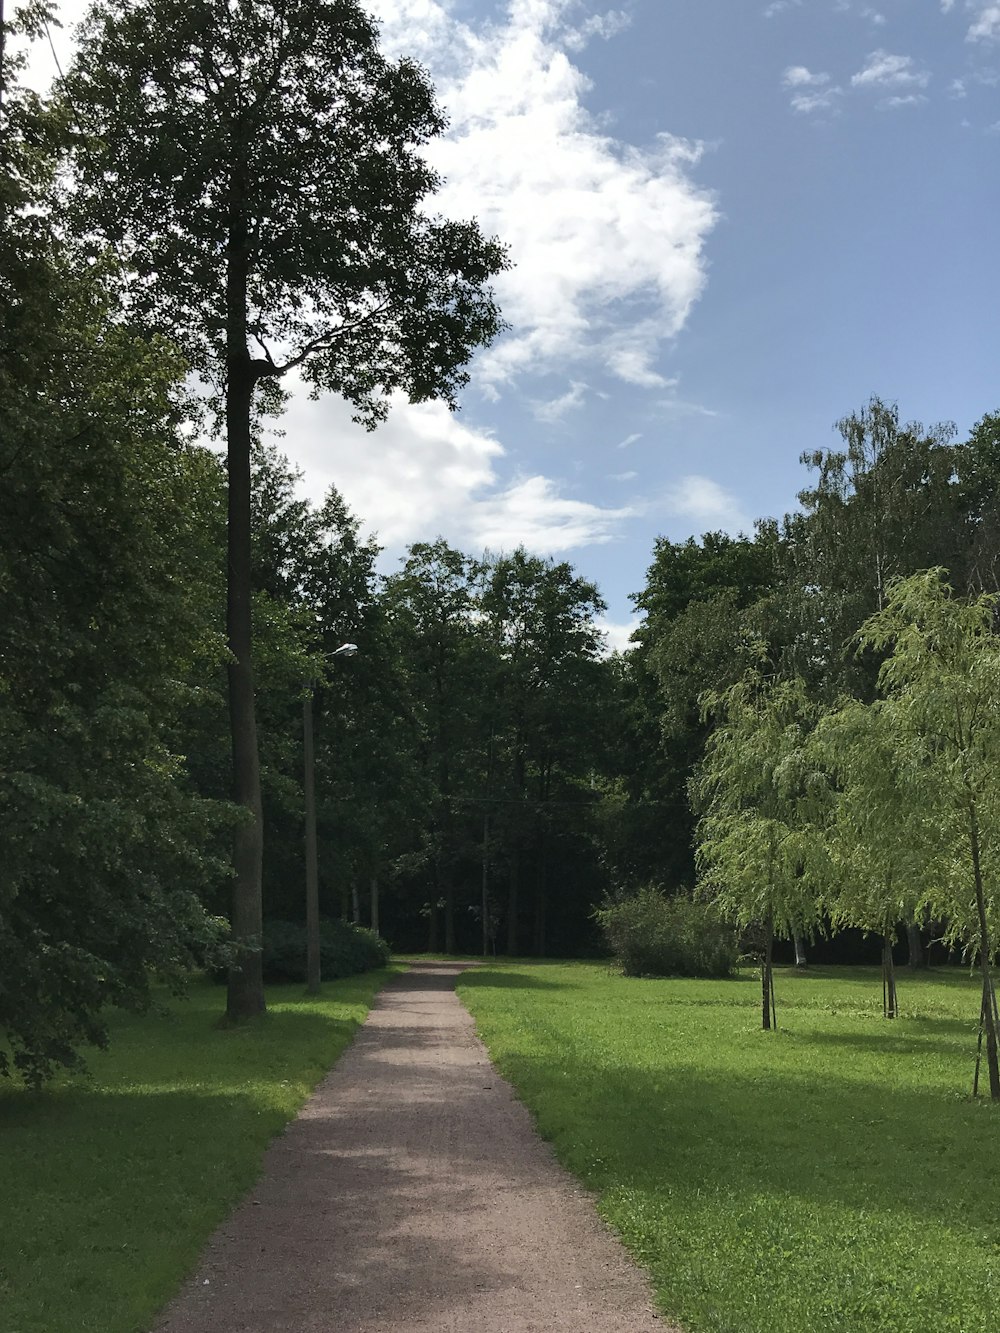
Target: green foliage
<point>941,714</point>
<point>829,1177</point>
<point>105,634</point>
<point>113,1184</point>
<point>285,141</point>
<point>760,791</point>
<point>650,935</point>
<point>345,950</point>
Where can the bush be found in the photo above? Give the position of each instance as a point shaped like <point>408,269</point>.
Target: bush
<point>344,950</point>
<point>654,936</point>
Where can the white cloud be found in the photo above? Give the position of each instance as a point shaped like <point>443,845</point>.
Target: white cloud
<point>986,25</point>
<point>604,26</point>
<point>779,7</point>
<point>533,514</point>
<point>623,476</point>
<point>556,408</point>
<point>707,505</point>
<point>606,238</point>
<point>629,439</point>
<point>425,471</point>
<point>797,76</point>
<point>824,100</point>
<point>901,100</point>
<point>957,89</point>
<point>947,6</point>
<point>618,633</point>
<point>883,70</point>
<point>874,16</point>
<point>810,92</point>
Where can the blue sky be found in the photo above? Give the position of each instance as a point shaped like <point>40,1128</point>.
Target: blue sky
<point>731,222</point>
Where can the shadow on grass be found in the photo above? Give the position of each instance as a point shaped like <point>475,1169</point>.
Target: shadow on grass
<point>766,1132</point>
<point>488,979</point>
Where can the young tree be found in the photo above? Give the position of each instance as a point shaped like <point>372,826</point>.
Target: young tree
<point>257,168</point>
<point>941,681</point>
<point>757,790</point>
<point>880,856</point>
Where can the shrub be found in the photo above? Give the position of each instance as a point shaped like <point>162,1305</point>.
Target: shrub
<point>344,950</point>
<point>651,935</point>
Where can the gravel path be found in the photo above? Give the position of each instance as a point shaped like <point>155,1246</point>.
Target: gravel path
<point>413,1193</point>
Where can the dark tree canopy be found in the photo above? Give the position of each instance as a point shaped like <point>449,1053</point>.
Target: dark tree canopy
<point>279,136</point>
<point>258,169</point>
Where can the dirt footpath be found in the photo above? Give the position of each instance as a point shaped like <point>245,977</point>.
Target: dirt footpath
<point>413,1193</point>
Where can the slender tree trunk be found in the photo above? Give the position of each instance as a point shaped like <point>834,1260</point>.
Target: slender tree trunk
<point>313,974</point>
<point>800,951</point>
<point>540,911</point>
<point>766,979</point>
<point>449,916</point>
<point>485,901</point>
<point>989,1000</point>
<point>245,997</point>
<point>374,904</point>
<point>890,1007</point>
<point>915,945</point>
<point>355,904</point>
<point>432,928</point>
<point>512,903</point>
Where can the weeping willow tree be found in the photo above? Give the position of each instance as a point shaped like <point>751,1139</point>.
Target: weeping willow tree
<point>878,868</point>
<point>759,795</point>
<point>941,713</point>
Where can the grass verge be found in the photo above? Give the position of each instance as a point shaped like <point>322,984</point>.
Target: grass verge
<point>834,1175</point>
<point>112,1183</point>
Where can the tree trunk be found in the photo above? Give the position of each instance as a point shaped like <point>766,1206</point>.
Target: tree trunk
<point>800,951</point>
<point>541,893</point>
<point>432,928</point>
<point>512,904</point>
<point>245,998</point>
<point>890,1007</point>
<point>374,904</point>
<point>540,906</point>
<point>355,904</point>
<point>449,916</point>
<point>313,971</point>
<point>766,979</point>
<point>989,1000</point>
<point>916,946</point>
<point>485,901</point>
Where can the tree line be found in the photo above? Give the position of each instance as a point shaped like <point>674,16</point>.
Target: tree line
<point>202,206</point>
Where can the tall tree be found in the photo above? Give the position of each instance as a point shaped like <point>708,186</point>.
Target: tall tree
<point>258,169</point>
<point>881,507</point>
<point>432,602</point>
<point>538,618</point>
<point>105,629</point>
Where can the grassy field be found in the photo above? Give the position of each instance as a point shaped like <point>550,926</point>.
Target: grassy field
<point>835,1175</point>
<point>110,1185</point>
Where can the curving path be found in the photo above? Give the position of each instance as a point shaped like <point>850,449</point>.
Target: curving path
<point>413,1193</point>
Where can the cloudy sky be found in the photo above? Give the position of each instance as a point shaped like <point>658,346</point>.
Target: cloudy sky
<point>731,222</point>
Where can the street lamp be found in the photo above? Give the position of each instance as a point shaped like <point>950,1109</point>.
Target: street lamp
<point>313,975</point>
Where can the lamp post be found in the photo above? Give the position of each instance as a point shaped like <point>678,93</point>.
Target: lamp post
<point>313,972</point>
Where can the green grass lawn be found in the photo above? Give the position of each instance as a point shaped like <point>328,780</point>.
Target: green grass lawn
<point>832,1175</point>
<point>110,1185</point>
